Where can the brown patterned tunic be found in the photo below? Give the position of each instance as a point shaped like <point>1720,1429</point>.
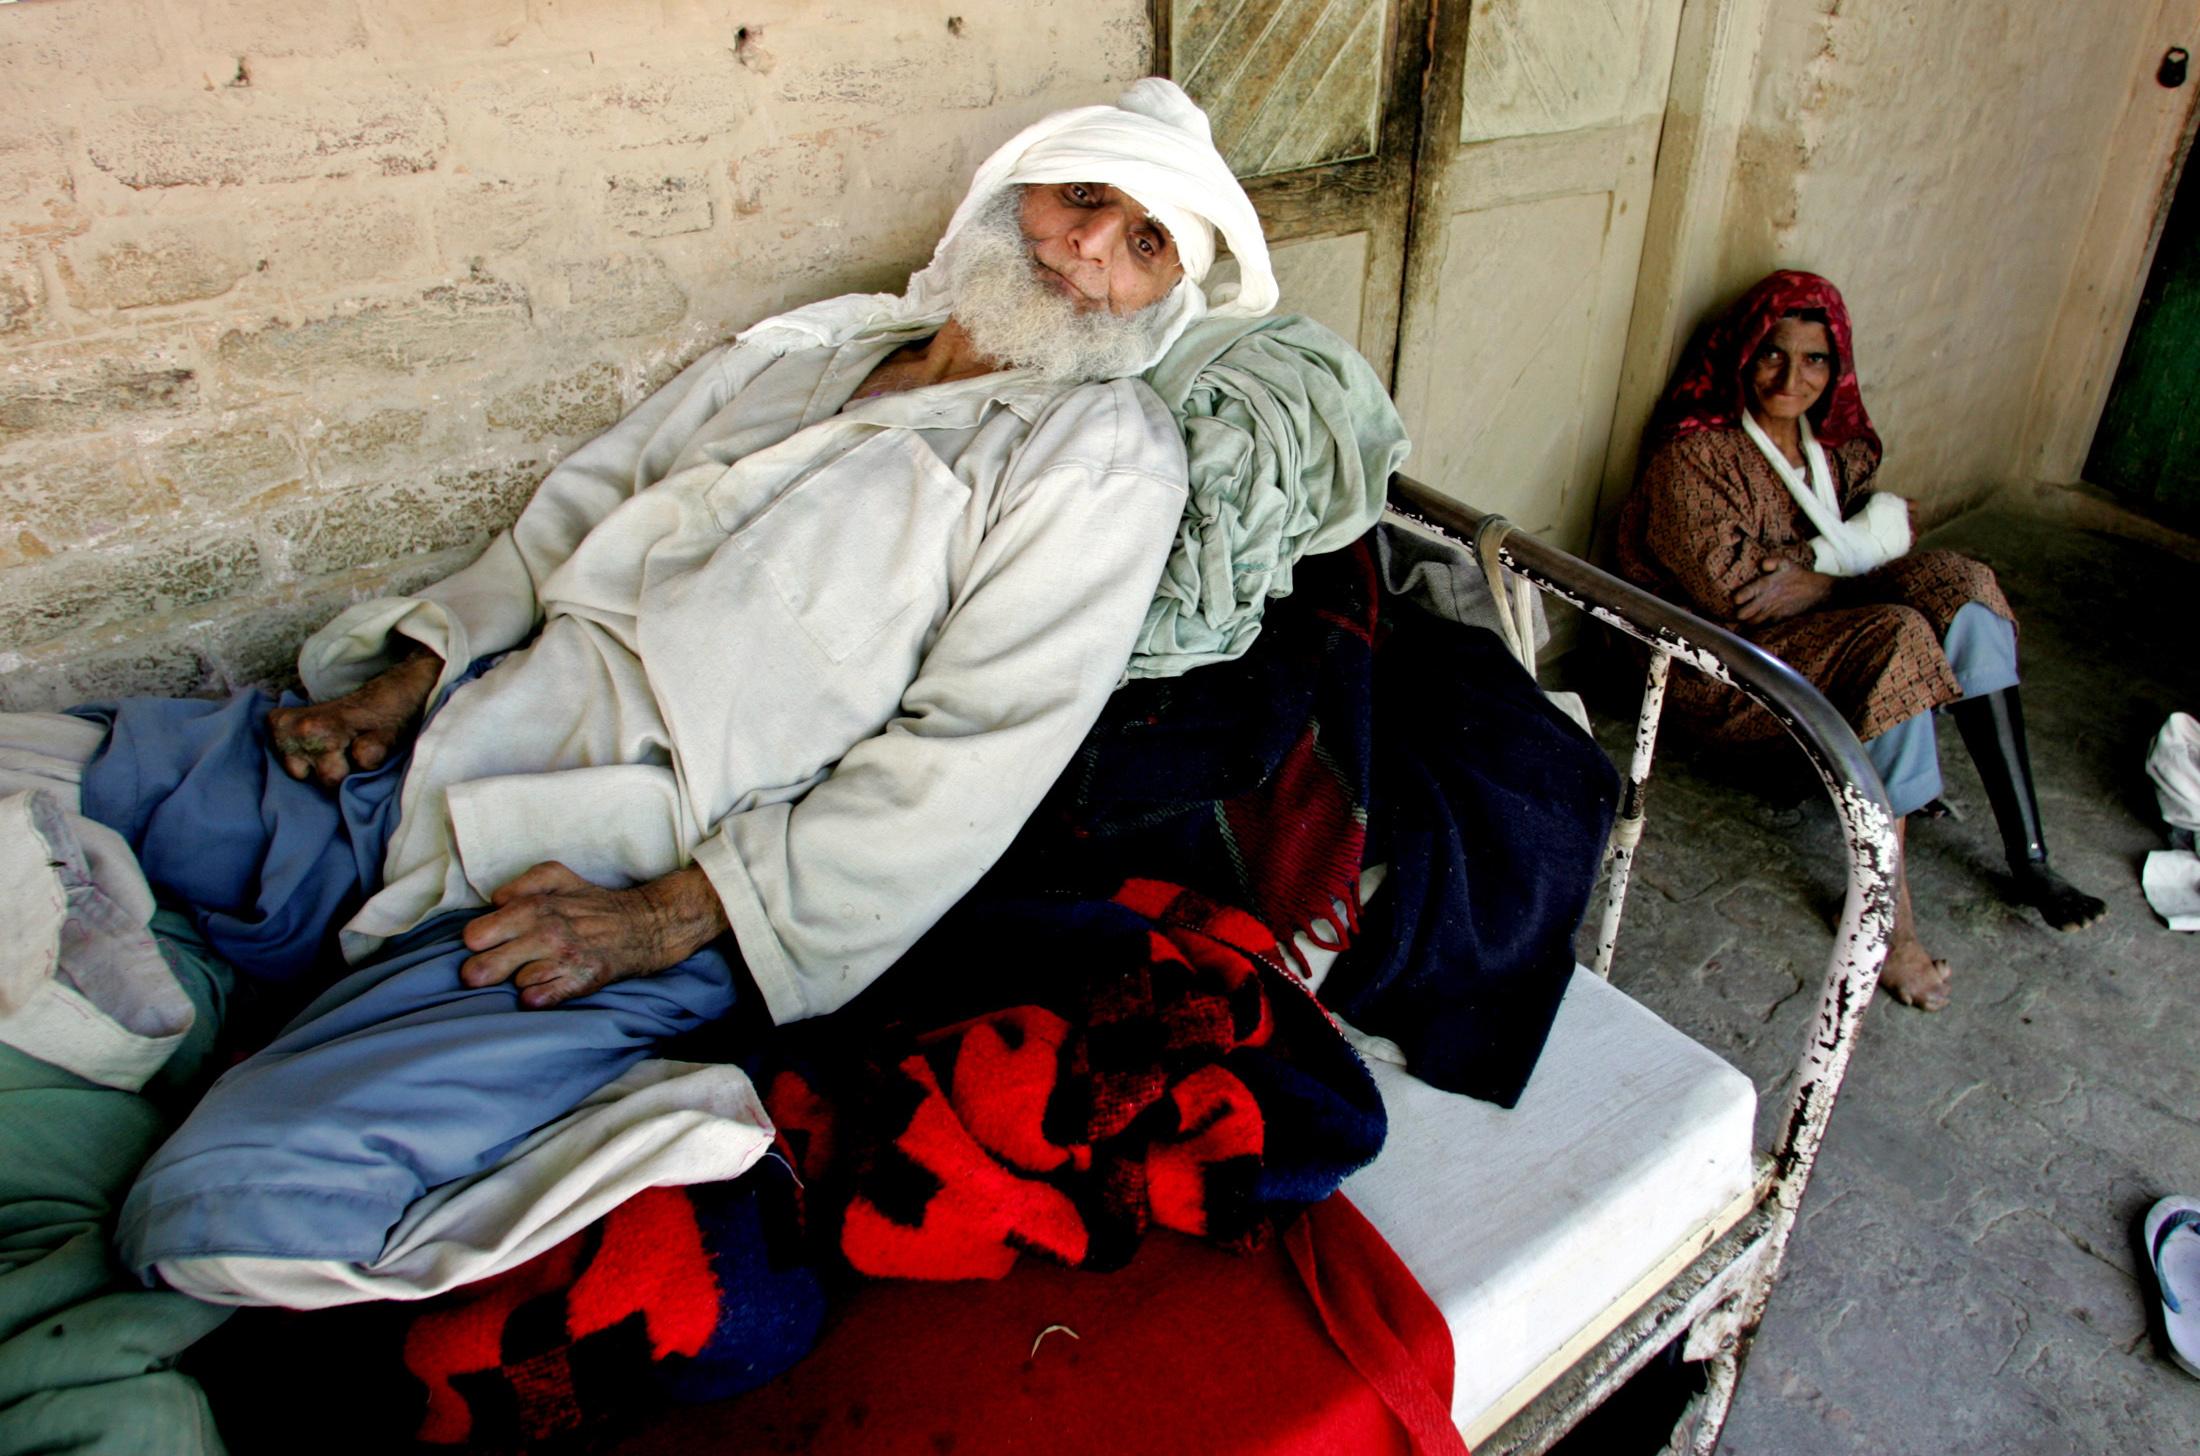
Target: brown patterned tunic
<point>1705,515</point>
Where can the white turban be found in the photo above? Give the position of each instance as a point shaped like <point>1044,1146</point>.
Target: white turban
<point>1154,144</point>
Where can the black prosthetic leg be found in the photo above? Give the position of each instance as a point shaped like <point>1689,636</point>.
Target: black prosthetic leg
<point>1992,725</point>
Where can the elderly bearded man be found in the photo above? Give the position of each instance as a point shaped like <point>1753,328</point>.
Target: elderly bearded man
<point>791,652</point>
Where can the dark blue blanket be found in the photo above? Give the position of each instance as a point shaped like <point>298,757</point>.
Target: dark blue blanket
<point>1489,806</point>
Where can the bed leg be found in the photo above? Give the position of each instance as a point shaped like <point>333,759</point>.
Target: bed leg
<point>1619,856</point>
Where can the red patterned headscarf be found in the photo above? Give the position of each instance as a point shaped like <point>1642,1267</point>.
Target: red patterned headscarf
<point>1708,391</point>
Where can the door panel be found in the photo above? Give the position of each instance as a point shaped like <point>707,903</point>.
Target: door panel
<point>1538,141</point>
<point>2147,449</point>
<point>1317,105</point>
<point>1509,362</point>
<point>1460,189</point>
<point>1518,169</point>
<point>1287,84</point>
<point>1555,65</point>
<point>1325,279</point>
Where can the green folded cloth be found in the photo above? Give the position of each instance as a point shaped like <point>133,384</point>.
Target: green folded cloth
<point>1292,443</point>
<point>85,1351</point>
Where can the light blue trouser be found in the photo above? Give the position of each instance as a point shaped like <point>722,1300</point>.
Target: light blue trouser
<point>397,1079</point>
<point>1982,648</point>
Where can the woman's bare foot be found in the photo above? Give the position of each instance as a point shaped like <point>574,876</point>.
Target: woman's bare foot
<point>1910,974</point>
<point>1913,977</point>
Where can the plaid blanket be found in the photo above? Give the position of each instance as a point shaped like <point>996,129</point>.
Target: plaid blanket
<point>1069,1074</point>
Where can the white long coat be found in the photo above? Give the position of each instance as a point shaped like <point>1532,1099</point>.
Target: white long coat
<point>834,656</point>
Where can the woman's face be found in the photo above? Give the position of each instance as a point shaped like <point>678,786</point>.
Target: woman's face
<point>1792,369</point>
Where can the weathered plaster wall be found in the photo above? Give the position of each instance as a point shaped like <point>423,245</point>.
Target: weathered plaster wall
<point>300,301</point>
<point>1941,163</point>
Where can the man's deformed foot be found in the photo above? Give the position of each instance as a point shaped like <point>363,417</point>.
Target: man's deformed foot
<point>327,742</point>
<point>1914,978</point>
<point>2061,904</point>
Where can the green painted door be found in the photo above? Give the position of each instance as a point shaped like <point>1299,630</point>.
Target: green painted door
<point>2147,449</point>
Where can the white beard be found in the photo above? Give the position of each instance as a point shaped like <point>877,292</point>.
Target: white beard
<point>1014,316</point>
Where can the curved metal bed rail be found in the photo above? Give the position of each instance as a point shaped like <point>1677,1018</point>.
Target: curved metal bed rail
<point>1867,825</point>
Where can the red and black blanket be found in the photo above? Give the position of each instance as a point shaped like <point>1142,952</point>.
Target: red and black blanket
<point>1086,1071</point>
<point>1080,1071</point>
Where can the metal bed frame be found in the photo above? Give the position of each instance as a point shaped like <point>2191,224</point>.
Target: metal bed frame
<point>1715,1303</point>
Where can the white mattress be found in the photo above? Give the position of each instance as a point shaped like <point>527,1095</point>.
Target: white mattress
<point>1525,1225</point>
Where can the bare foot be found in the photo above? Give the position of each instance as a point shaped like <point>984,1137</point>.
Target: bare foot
<point>1913,977</point>
<point>1910,975</point>
<point>2061,904</point>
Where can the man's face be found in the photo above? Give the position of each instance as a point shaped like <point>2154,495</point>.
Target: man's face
<point>1097,247</point>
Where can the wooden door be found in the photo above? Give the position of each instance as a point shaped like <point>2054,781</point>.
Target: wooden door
<point>1539,137</point>
<point>1317,106</point>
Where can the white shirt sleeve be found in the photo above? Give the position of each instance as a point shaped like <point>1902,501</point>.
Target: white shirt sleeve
<point>491,604</point>
<point>827,891</point>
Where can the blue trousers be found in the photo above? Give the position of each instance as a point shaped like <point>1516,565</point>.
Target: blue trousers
<point>1982,648</point>
<point>395,1079</point>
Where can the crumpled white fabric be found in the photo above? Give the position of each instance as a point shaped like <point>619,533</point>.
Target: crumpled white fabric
<point>2171,880</point>
<point>82,984</point>
<point>663,1124</point>
<point>1154,143</point>
<point>2174,765</point>
<point>1878,532</point>
<point>2171,877</point>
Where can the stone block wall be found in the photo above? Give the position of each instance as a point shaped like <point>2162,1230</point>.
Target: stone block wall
<point>298,302</point>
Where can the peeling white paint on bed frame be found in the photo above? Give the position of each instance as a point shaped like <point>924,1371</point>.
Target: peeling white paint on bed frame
<point>1721,1316</point>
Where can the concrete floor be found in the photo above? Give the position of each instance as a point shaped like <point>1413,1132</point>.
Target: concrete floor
<point>1964,1277</point>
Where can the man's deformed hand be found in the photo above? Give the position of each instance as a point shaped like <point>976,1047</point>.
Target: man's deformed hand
<point>1785,590</point>
<point>327,742</point>
<point>556,936</point>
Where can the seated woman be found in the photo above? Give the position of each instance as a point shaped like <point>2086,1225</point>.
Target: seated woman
<point>1753,508</point>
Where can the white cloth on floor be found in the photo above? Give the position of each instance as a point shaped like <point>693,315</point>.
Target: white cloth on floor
<point>663,1124</point>
<point>2171,877</point>
<point>2174,765</point>
<point>2171,880</point>
<point>82,985</point>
